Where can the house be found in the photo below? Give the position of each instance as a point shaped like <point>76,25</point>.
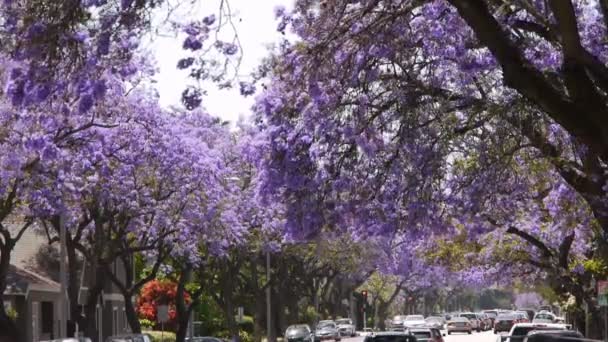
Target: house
<point>33,292</point>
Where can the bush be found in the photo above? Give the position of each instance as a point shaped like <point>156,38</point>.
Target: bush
<point>146,323</point>
<point>245,336</point>
<point>156,336</point>
<point>246,324</point>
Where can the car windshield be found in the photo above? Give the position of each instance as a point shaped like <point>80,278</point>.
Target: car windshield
<point>343,321</point>
<point>491,313</point>
<point>433,319</point>
<point>297,330</point>
<point>505,318</point>
<point>415,318</point>
<point>544,316</point>
<point>460,319</point>
<point>422,334</point>
<point>469,316</point>
<point>399,318</point>
<point>326,325</point>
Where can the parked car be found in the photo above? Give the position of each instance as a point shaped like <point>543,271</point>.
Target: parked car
<point>436,322</point>
<point>459,324</point>
<point>521,330</point>
<point>553,336</point>
<point>391,336</point>
<point>473,320</point>
<point>504,323</point>
<point>297,333</point>
<point>413,321</point>
<point>327,330</point>
<point>346,327</point>
<point>544,317</point>
<point>129,338</point>
<point>397,322</point>
<point>426,334</point>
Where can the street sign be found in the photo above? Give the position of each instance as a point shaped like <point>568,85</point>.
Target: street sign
<point>602,292</point>
<point>162,314</point>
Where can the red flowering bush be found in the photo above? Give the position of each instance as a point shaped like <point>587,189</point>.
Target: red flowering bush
<point>155,293</point>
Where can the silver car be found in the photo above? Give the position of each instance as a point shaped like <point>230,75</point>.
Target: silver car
<point>298,333</point>
<point>327,330</point>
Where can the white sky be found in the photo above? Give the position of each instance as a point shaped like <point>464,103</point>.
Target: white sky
<point>256,27</point>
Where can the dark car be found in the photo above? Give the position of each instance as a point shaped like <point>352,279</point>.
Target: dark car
<point>426,334</point>
<point>391,336</point>
<point>552,336</point>
<point>504,323</point>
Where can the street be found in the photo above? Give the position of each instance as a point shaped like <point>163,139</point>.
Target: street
<point>487,336</point>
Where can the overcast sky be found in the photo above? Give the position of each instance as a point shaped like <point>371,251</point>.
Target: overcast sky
<point>256,28</point>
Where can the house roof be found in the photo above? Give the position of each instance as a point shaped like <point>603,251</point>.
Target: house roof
<point>20,281</point>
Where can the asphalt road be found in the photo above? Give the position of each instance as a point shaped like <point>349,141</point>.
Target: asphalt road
<point>487,336</point>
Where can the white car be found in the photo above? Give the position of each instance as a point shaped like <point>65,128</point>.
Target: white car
<point>520,330</point>
<point>414,321</point>
<point>473,319</point>
<point>366,332</point>
<point>544,317</point>
<point>346,327</point>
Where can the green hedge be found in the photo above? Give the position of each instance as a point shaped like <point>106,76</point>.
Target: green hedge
<point>155,335</point>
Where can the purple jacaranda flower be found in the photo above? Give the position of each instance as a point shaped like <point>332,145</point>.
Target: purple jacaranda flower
<point>85,103</point>
<point>209,20</point>
<point>192,43</point>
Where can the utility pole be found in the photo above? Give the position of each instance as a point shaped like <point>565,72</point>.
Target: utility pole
<point>268,301</point>
<point>63,302</point>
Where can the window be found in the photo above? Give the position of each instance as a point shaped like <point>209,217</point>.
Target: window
<point>46,317</point>
<point>115,320</point>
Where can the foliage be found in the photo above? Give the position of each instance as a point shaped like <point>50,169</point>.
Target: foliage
<point>167,336</point>
<point>146,324</point>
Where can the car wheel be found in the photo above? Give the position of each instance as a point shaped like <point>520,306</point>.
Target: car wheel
<point>470,332</point>
<point>449,333</point>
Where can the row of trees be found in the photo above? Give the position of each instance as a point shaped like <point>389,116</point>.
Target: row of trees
<point>476,125</point>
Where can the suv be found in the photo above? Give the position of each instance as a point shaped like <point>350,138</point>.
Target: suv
<point>521,330</point>
<point>426,334</point>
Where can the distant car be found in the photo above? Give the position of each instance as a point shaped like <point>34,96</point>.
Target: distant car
<point>129,338</point>
<point>504,323</point>
<point>491,314</point>
<point>426,334</point>
<point>531,313</point>
<point>459,324</point>
<point>391,336</point>
<point>436,322</point>
<point>522,317</point>
<point>397,322</point>
<point>521,330</point>
<point>413,321</point>
<point>298,333</point>
<point>485,323</point>
<point>544,317</point>
<point>327,330</point>
<point>346,327</point>
<point>553,336</point>
<point>473,320</point>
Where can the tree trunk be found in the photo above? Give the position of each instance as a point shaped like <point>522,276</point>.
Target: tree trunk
<point>131,313</point>
<point>7,326</point>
